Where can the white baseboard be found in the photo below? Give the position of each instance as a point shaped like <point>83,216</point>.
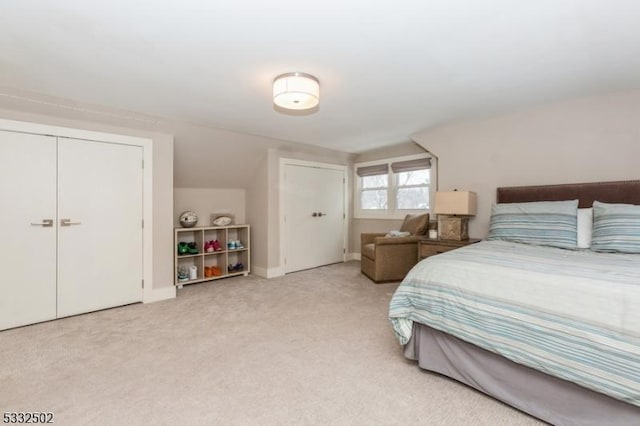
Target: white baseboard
<point>267,272</point>
<point>352,256</point>
<point>261,272</point>
<point>275,272</point>
<point>158,294</point>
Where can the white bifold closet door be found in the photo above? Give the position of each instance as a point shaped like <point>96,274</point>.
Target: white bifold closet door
<point>70,227</point>
<point>314,217</point>
<point>100,250</point>
<point>27,229</point>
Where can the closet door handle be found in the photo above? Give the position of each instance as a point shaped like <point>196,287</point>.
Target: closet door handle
<point>46,223</point>
<point>67,222</point>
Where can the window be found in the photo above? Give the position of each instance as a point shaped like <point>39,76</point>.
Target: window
<point>374,183</point>
<point>393,188</point>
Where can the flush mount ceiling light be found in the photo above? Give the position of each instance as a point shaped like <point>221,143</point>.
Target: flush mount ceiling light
<point>296,91</point>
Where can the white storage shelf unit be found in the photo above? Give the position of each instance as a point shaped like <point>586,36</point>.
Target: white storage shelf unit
<point>221,259</point>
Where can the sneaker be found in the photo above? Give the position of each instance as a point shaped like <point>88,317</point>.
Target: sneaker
<point>183,248</point>
<point>208,246</point>
<point>238,267</point>
<point>193,249</point>
<point>239,244</point>
<point>216,271</point>
<point>183,274</point>
<point>216,245</point>
<point>208,272</point>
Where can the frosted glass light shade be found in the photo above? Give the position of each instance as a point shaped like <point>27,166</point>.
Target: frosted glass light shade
<point>296,90</point>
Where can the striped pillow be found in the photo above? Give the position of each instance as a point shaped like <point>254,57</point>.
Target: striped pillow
<point>616,228</point>
<point>545,223</point>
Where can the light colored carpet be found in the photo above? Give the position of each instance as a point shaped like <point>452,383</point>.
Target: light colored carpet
<point>313,348</point>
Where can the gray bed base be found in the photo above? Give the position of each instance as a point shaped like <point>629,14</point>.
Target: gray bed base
<point>548,398</point>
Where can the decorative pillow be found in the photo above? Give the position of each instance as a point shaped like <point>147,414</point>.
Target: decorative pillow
<point>545,223</point>
<point>585,227</point>
<point>415,224</point>
<point>616,228</point>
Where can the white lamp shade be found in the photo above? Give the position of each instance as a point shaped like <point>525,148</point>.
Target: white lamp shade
<point>455,202</point>
<point>296,90</point>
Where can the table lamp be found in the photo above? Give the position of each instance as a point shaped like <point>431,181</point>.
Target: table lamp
<point>457,206</point>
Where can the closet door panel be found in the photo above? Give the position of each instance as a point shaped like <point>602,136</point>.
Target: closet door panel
<point>27,249</point>
<point>100,247</point>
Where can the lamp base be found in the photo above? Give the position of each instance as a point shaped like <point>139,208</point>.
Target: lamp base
<point>454,228</point>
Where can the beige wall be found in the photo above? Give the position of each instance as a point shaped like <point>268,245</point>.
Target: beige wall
<point>581,140</point>
<point>359,226</point>
<point>257,208</point>
<point>396,150</point>
<point>163,249</point>
<point>204,201</point>
<point>188,156</point>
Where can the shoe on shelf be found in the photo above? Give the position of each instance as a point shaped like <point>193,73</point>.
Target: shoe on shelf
<point>239,244</point>
<point>208,248</point>
<point>216,245</point>
<point>216,271</point>
<point>183,248</point>
<point>183,274</point>
<point>238,267</point>
<point>193,249</point>
<point>208,272</point>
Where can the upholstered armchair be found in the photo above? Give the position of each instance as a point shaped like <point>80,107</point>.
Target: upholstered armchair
<point>390,258</point>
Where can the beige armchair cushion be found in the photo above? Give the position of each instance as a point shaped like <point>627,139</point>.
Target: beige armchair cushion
<point>415,224</point>
<point>369,250</point>
<point>387,258</point>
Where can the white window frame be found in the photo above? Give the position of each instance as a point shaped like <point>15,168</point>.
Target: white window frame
<point>391,212</point>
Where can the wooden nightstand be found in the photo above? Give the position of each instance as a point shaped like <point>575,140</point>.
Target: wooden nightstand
<point>429,247</point>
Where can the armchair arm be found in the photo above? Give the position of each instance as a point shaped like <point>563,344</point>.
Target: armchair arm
<point>396,240</point>
<point>368,238</point>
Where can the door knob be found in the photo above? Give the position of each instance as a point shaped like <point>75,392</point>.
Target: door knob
<point>314,214</point>
<point>46,223</point>
<point>67,222</point>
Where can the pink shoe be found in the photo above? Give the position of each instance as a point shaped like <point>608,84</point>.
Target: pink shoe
<point>208,246</point>
<point>216,245</point>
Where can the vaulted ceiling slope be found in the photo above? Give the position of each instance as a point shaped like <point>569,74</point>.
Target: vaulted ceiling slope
<point>387,69</point>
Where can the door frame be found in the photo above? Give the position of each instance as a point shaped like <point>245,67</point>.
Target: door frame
<point>281,203</point>
<point>147,180</point>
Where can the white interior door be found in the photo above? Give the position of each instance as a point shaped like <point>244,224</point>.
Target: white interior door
<point>314,216</point>
<point>27,243</point>
<point>100,250</point>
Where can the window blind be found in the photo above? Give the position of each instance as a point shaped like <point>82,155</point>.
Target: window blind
<point>411,165</point>
<point>377,169</point>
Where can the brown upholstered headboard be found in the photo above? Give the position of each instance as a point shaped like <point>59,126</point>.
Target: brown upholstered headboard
<point>627,192</point>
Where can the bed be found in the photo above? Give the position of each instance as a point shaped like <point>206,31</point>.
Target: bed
<point>550,331</point>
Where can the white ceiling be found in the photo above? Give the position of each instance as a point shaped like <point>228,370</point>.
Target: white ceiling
<point>387,69</point>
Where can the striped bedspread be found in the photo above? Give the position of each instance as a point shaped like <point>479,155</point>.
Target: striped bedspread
<point>571,314</point>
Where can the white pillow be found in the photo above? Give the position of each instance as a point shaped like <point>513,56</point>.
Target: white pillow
<point>585,227</point>
<point>398,234</point>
